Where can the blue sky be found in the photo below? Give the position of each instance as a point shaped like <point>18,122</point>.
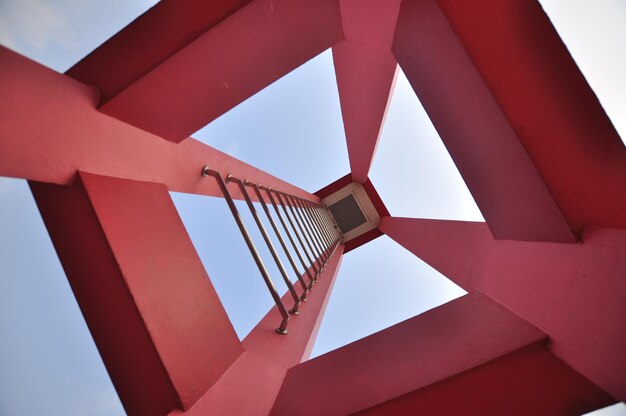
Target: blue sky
<point>292,129</point>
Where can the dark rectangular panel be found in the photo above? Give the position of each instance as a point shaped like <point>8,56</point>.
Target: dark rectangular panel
<point>347,214</point>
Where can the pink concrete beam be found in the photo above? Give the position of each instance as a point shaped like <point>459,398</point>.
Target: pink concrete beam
<point>573,292</point>
<point>244,53</point>
<point>50,128</point>
<point>365,81</point>
<point>456,249</point>
<point>530,381</point>
<point>498,171</point>
<point>548,104</point>
<point>366,71</point>
<point>148,41</point>
<point>414,354</point>
<point>147,300</point>
<point>253,382</point>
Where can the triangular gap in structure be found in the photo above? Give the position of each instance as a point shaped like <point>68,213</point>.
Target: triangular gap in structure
<point>379,285</point>
<point>227,259</point>
<point>413,172</point>
<point>594,36</point>
<point>292,129</point>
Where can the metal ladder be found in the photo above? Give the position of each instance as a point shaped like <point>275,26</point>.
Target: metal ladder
<point>317,234</point>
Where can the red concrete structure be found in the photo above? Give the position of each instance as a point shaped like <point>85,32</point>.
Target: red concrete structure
<point>543,328</point>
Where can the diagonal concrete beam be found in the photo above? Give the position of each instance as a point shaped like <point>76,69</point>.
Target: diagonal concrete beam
<point>529,381</point>
<point>573,292</point>
<point>547,102</point>
<point>456,249</point>
<point>251,385</point>
<point>366,71</point>
<point>215,55</point>
<point>50,128</point>
<point>156,319</point>
<point>419,356</point>
<point>504,181</point>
